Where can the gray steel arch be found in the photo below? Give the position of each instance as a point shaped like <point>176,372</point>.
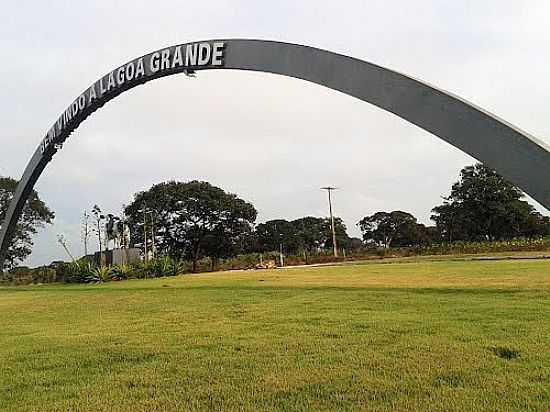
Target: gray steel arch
<point>516,155</point>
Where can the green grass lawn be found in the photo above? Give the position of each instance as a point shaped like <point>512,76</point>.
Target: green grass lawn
<point>426,335</point>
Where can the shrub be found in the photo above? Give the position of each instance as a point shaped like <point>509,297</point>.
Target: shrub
<point>120,272</point>
<point>101,273</point>
<point>81,271</point>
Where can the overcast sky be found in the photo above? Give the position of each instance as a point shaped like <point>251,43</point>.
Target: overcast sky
<point>272,140</point>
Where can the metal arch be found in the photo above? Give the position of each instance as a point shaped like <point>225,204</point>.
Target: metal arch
<point>513,153</point>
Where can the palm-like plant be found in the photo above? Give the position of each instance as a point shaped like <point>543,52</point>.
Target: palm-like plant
<point>102,273</point>
<point>119,272</point>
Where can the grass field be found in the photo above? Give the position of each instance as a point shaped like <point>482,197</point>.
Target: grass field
<point>426,335</point>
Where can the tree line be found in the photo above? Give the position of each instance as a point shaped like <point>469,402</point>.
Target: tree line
<point>482,206</point>
<point>191,220</point>
<point>196,219</point>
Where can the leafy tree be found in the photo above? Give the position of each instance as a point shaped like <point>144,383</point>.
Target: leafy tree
<point>228,239</point>
<point>342,238</point>
<point>304,235</point>
<point>192,219</point>
<point>315,233</point>
<point>426,235</point>
<point>273,233</point>
<point>312,233</point>
<point>387,229</point>
<point>536,225</point>
<point>35,215</point>
<point>355,243</point>
<point>451,221</point>
<point>482,205</point>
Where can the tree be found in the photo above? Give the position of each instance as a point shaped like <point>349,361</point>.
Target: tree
<point>193,219</point>
<point>274,233</point>
<point>426,235</point>
<point>536,225</point>
<point>311,233</point>
<point>97,228</point>
<point>342,238</point>
<point>355,244</point>
<point>34,216</point>
<point>482,205</point>
<point>387,229</point>
<point>450,221</point>
<point>315,233</point>
<point>304,235</point>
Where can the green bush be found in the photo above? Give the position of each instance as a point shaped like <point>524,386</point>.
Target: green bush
<point>102,273</point>
<point>160,267</point>
<point>120,272</point>
<point>82,271</point>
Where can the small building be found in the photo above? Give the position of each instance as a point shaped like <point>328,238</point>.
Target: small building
<point>117,257</point>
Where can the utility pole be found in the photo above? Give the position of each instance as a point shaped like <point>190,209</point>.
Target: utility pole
<point>151,214</point>
<point>153,247</point>
<point>145,257</point>
<point>329,189</point>
<point>281,257</point>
